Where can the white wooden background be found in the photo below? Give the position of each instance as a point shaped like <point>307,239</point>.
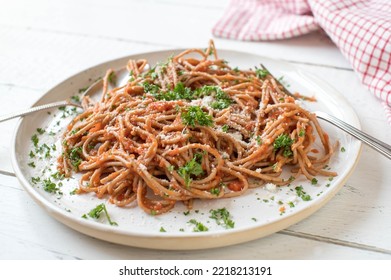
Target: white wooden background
<point>43,42</point>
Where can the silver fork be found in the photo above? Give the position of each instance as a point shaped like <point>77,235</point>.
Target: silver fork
<point>94,89</point>
<point>372,142</point>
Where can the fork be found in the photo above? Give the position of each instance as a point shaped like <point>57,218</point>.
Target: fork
<point>120,74</point>
<point>372,142</point>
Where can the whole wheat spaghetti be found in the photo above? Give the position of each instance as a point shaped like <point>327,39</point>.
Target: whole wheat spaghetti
<point>190,127</point>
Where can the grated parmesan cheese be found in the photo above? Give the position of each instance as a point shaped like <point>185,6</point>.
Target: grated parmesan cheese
<point>271,187</point>
<point>237,136</point>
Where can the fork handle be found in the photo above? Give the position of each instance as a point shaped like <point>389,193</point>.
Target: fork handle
<point>34,109</point>
<point>374,143</point>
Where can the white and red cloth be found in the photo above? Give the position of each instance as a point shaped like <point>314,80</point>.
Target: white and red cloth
<point>361,29</point>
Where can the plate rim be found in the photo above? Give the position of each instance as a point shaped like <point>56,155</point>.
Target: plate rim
<point>221,237</point>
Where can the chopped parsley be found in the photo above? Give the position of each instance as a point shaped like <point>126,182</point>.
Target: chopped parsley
<point>73,192</point>
<point>302,133</point>
<point>75,98</point>
<point>222,216</point>
<point>284,142</point>
<point>222,99</point>
<point>198,227</point>
<point>31,164</point>
<point>193,167</point>
<point>177,93</point>
<point>343,149</point>
<point>162,229</point>
<point>58,176</point>
<point>314,181</point>
<point>35,180</point>
<point>261,73</point>
<point>97,211</point>
<point>225,128</point>
<point>112,77</point>
<point>302,194</point>
<point>35,140</point>
<point>40,130</point>
<point>74,156</point>
<point>49,186</point>
<point>215,191</point>
<point>151,88</point>
<point>170,168</point>
<point>194,115</point>
<point>81,90</point>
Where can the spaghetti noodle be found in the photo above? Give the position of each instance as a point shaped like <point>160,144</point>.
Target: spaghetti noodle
<point>190,128</point>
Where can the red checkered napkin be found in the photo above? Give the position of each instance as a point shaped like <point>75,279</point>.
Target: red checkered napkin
<point>360,28</point>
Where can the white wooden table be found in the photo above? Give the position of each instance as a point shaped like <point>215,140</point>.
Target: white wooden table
<point>43,42</point>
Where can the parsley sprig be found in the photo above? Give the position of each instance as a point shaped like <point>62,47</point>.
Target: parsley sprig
<point>193,167</point>
<point>195,116</point>
<point>97,211</point>
<point>284,142</point>
<point>74,156</point>
<point>198,227</point>
<point>222,216</point>
<point>302,194</point>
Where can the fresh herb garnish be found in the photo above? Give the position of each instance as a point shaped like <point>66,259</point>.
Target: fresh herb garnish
<point>97,211</point>
<point>35,140</point>
<point>261,73</point>
<point>81,90</point>
<point>75,98</point>
<point>162,229</point>
<point>222,216</point>
<point>73,192</point>
<point>49,186</point>
<point>343,149</point>
<point>223,101</point>
<point>302,194</point>
<point>74,156</point>
<point>198,226</point>
<point>193,167</point>
<point>215,191</point>
<point>225,128</point>
<point>40,130</point>
<point>35,180</point>
<point>112,77</point>
<point>284,142</point>
<point>58,176</point>
<point>314,181</point>
<point>179,92</point>
<point>195,116</point>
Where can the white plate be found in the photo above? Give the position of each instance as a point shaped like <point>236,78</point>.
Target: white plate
<point>256,214</point>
